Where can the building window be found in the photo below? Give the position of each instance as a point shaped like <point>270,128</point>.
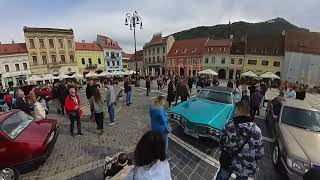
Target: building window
<point>240,61</point>
<point>276,64</point>
<point>53,59</point>
<point>99,61</point>
<point>51,44</point>
<point>158,59</point>
<point>252,62</point>
<point>163,59</point>
<point>63,58</point>
<point>108,63</point>
<point>232,61</point>
<point>153,59</point>
<point>153,51</point>
<point>149,59</point>
<point>223,60</point>
<point>6,67</point>
<point>17,67</point>
<point>72,58</point>
<point>264,63</point>
<point>149,52</point>
<point>113,63</point>
<point>31,42</point>
<point>117,54</point>
<point>118,63</point>
<point>44,59</point>
<point>112,55</point>
<point>90,61</point>
<point>158,50</point>
<point>107,54</point>
<point>176,51</point>
<point>206,60</point>
<point>83,61</point>
<point>184,51</point>
<point>34,60</point>
<point>213,60</point>
<point>41,43</point>
<point>69,43</point>
<point>164,50</point>
<point>25,66</point>
<point>60,41</point>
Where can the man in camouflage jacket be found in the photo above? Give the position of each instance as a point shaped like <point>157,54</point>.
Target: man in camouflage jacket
<point>241,146</point>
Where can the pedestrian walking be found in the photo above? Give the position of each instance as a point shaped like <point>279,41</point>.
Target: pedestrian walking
<point>89,93</point>
<point>200,85</point>
<point>301,93</point>
<point>62,93</point>
<point>148,85</point>
<point>255,101</point>
<point>159,82</point>
<point>111,102</point>
<point>127,90</point>
<point>190,83</point>
<point>98,109</point>
<point>182,91</point>
<point>159,120</point>
<point>241,146</point>
<point>263,88</point>
<point>171,93</point>
<point>245,96</point>
<point>150,159</point>
<point>72,105</point>
<point>230,84</point>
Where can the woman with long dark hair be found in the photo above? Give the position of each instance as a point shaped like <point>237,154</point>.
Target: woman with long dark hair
<point>150,159</point>
<point>171,93</point>
<point>98,108</point>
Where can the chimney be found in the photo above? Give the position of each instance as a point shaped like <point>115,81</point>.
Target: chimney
<point>83,41</point>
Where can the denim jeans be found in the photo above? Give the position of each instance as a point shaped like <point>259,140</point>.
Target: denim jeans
<point>148,91</point>
<point>111,112</point>
<point>165,139</point>
<point>128,98</point>
<point>99,120</point>
<point>225,175</point>
<point>73,118</point>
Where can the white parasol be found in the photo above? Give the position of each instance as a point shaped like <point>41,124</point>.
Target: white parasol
<point>249,74</point>
<point>91,74</point>
<point>35,78</point>
<point>104,74</point>
<point>208,72</point>
<point>269,75</point>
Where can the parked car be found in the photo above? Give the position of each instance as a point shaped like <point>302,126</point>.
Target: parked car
<point>296,127</point>
<point>206,114</point>
<point>24,141</point>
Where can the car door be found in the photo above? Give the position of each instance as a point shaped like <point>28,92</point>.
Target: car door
<point>6,149</point>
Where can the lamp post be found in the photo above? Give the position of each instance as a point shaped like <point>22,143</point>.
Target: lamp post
<point>133,19</point>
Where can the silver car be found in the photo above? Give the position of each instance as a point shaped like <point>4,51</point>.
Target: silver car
<point>296,127</point>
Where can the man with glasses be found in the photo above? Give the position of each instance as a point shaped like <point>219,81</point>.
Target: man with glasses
<point>72,105</point>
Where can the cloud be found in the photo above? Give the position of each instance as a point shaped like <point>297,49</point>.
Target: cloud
<point>89,18</point>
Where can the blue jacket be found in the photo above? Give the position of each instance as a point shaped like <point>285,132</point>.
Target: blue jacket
<point>159,120</point>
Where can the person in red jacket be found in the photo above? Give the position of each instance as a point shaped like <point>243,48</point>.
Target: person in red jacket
<point>72,106</point>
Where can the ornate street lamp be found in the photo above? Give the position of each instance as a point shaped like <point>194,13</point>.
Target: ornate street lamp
<point>132,20</point>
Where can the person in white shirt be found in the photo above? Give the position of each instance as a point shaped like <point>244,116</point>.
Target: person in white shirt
<point>150,159</point>
<point>39,109</point>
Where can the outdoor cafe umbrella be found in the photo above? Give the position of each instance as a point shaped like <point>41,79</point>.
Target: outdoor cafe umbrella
<point>208,72</point>
<point>269,75</point>
<point>35,78</point>
<point>49,77</point>
<point>118,73</point>
<point>130,72</point>
<point>92,74</point>
<point>76,75</point>
<point>249,74</point>
<point>105,73</point>
<point>64,76</point>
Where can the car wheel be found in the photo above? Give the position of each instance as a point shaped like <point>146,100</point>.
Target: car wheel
<point>9,174</point>
<point>276,160</point>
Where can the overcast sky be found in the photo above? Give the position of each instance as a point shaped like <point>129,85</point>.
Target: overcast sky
<point>90,17</point>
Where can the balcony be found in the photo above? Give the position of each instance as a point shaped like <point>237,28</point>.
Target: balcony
<point>91,66</point>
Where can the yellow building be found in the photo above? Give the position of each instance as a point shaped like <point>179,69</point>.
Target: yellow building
<point>50,51</point>
<point>90,57</point>
<point>264,53</point>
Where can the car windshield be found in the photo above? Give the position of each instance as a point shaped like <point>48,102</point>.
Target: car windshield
<point>15,124</point>
<point>215,96</point>
<point>302,118</point>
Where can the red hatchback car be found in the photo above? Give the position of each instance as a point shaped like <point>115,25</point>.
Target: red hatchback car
<point>24,142</point>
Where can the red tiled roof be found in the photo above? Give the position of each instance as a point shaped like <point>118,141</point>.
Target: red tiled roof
<point>126,55</point>
<point>107,42</point>
<point>218,43</point>
<point>188,47</point>
<point>139,56</point>
<point>157,39</point>
<point>88,47</point>
<point>15,48</point>
<point>237,48</point>
<point>267,45</point>
<point>302,42</point>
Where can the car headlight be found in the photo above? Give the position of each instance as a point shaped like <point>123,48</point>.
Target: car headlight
<point>297,165</point>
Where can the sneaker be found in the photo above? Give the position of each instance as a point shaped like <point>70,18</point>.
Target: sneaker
<point>111,124</point>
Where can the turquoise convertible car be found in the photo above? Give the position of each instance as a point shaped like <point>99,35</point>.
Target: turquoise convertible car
<point>206,114</point>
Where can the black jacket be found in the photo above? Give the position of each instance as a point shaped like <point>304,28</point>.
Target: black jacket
<point>23,105</point>
<point>147,83</point>
<point>90,91</point>
<point>127,87</point>
<point>62,93</point>
<point>171,93</point>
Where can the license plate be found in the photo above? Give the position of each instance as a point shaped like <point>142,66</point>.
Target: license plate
<point>191,133</point>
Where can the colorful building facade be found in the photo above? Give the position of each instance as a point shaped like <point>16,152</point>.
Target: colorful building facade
<point>90,57</point>
<point>237,56</point>
<point>185,57</point>
<point>112,52</point>
<point>50,50</point>
<point>264,53</point>
<point>14,64</point>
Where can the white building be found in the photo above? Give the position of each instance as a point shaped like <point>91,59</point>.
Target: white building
<point>302,58</point>
<point>112,53</point>
<point>14,64</point>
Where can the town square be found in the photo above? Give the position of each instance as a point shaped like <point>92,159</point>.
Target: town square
<point>92,93</point>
